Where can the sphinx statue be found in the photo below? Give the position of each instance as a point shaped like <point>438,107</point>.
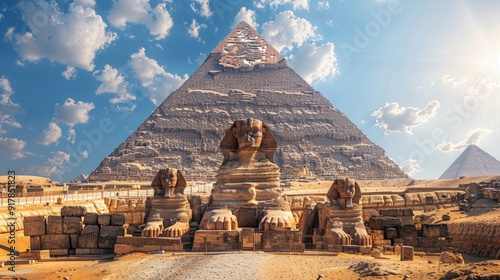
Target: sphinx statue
<point>344,217</point>
<point>247,183</point>
<point>169,210</point>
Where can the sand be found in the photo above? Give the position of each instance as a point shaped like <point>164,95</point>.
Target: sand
<point>244,265</point>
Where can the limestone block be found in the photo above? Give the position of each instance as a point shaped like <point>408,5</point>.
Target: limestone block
<point>406,253</point>
<point>412,199</point>
<point>434,230</point>
<point>73,240</point>
<point>43,254</point>
<point>58,252</point>
<point>34,225</point>
<point>89,237</point>
<point>90,219</point>
<point>365,250</point>
<point>396,212</point>
<point>350,249</point>
<point>54,241</point>
<point>82,251</point>
<point>391,233</point>
<point>104,219</point>
<point>100,206</point>
<point>117,219</point>
<point>407,231</point>
<point>73,211</point>
<point>383,222</point>
<point>35,243</point>
<point>398,200</point>
<point>72,225</point>
<point>108,235</point>
<point>410,241</point>
<point>54,225</point>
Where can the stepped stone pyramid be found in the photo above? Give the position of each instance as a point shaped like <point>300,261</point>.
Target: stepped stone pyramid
<point>472,162</point>
<point>245,77</point>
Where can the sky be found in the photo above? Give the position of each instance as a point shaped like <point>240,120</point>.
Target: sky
<point>420,78</point>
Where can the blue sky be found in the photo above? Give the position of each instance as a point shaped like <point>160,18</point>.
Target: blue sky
<point>420,78</point>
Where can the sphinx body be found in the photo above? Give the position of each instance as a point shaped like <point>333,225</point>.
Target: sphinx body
<point>169,210</point>
<point>248,180</point>
<point>343,219</point>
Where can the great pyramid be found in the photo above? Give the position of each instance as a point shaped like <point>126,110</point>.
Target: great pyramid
<point>245,77</point>
<point>472,162</point>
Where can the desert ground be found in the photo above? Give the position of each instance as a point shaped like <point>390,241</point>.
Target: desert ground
<point>250,265</point>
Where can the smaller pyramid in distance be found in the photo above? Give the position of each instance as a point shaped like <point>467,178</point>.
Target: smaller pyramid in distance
<point>472,162</point>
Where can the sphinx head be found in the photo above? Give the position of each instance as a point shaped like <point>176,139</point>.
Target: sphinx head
<point>344,193</point>
<point>168,177</point>
<point>248,133</point>
<point>168,182</point>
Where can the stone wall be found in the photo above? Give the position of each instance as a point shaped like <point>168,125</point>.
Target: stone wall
<point>482,239</point>
<point>395,227</point>
<point>216,240</point>
<point>74,232</point>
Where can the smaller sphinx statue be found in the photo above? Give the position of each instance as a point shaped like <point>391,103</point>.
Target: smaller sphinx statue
<point>169,210</point>
<point>344,217</point>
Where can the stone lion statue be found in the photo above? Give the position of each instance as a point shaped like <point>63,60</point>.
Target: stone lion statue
<point>169,210</point>
<point>344,217</point>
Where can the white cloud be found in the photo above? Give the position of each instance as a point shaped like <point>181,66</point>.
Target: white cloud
<point>19,63</point>
<point>69,73</point>
<point>85,3</point>
<point>71,136</point>
<point>113,82</point>
<point>194,29</point>
<point>158,83</point>
<point>204,8</point>
<point>323,5</point>
<point>54,165</point>
<point>71,113</point>
<point>315,63</point>
<point>11,144</point>
<point>297,4</point>
<point>201,58</point>
<point>7,107</point>
<point>9,34</point>
<point>157,20</point>
<point>288,30</point>
<point>395,118</point>
<point>474,136</point>
<point>245,15</point>
<point>12,148</point>
<point>50,135</point>
<point>412,167</point>
<point>71,38</point>
<point>85,154</point>
<point>474,86</point>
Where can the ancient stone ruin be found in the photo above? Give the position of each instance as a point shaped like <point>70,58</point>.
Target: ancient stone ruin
<point>74,232</point>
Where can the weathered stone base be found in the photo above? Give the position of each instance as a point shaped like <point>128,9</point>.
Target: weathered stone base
<point>125,245</point>
<point>216,240</point>
<point>282,241</point>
